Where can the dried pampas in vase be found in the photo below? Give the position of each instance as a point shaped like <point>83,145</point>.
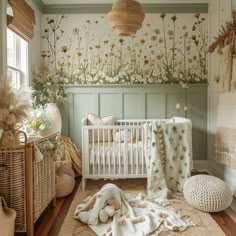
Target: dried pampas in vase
<point>14,105</point>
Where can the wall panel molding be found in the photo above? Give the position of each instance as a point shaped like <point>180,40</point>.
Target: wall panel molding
<point>104,8</point>
<point>150,101</point>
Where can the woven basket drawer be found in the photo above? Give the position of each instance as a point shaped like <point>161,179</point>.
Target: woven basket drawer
<point>43,184</point>
<point>13,182</point>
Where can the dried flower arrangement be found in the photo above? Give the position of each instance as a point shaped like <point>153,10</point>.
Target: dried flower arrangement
<point>226,36</point>
<point>48,87</point>
<point>14,106</point>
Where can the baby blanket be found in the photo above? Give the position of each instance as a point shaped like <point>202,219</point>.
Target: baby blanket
<point>135,217</point>
<point>168,157</point>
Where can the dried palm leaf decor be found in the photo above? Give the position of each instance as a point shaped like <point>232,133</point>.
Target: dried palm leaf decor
<point>225,43</point>
<point>72,155</point>
<point>126,17</point>
<point>225,147</point>
<point>226,35</point>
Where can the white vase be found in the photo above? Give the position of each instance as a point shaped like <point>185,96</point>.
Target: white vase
<point>54,117</point>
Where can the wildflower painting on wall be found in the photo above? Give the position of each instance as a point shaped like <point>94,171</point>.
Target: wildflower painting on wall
<point>83,49</point>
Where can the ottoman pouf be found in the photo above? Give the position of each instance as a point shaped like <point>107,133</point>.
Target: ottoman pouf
<point>207,193</point>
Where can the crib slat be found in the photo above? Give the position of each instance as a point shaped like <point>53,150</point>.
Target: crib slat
<point>142,152</point>
<point>119,152</point>
<point>136,140</point>
<point>109,153</point>
<point>98,152</point>
<point>131,155</point>
<point>93,152</point>
<point>126,152</point>
<point>103,153</point>
<point>114,160</point>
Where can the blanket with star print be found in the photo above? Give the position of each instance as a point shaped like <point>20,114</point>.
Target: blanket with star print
<point>168,156</point>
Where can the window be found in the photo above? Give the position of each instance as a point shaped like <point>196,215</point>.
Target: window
<point>17,59</point>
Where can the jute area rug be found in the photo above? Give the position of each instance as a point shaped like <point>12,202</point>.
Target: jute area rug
<point>204,223</point>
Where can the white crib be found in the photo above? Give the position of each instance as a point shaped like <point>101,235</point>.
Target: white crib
<point>115,152</point>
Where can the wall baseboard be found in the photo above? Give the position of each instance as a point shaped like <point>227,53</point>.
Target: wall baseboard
<point>216,169</point>
<point>200,165</point>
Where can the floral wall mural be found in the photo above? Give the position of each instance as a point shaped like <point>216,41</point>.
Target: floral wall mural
<point>82,49</point>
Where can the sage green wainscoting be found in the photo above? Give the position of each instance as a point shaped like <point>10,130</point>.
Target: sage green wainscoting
<point>137,102</point>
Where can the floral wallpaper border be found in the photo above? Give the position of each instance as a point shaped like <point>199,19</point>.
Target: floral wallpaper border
<point>169,48</point>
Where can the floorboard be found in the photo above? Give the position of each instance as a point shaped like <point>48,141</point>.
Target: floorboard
<point>55,229</point>
<point>49,219</point>
<point>225,222</point>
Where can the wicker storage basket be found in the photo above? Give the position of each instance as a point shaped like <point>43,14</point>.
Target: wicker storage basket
<point>65,179</point>
<point>7,219</point>
<point>28,186</point>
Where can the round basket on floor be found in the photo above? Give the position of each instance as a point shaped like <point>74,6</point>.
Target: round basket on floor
<point>207,193</point>
<point>65,180</point>
<point>7,219</point>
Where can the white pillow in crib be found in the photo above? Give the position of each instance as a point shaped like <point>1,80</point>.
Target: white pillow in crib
<point>100,121</point>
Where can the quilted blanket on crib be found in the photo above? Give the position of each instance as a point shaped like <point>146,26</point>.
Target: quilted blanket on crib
<point>168,157</point>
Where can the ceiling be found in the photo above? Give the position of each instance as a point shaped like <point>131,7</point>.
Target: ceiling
<point>55,2</point>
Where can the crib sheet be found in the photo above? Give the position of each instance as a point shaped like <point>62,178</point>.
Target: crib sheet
<point>114,153</point>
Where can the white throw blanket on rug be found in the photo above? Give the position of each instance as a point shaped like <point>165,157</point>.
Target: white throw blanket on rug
<point>226,130</point>
<point>168,156</point>
<point>135,217</point>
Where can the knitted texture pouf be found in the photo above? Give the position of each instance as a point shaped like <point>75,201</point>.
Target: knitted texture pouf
<point>207,193</point>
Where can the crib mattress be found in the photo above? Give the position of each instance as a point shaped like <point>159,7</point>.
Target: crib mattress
<point>114,153</point>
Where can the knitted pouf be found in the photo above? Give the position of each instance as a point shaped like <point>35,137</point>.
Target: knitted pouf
<point>207,193</point>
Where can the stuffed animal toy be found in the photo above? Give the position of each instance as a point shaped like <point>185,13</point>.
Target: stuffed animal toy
<point>109,210</point>
<point>108,199</point>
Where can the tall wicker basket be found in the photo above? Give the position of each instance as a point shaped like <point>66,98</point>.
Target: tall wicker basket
<point>27,186</point>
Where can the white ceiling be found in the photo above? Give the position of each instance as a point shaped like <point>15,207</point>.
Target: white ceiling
<point>52,2</point>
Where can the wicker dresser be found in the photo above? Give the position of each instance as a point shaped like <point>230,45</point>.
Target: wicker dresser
<point>27,185</point>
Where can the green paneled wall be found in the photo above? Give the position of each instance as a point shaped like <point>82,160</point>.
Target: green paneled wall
<point>137,102</point>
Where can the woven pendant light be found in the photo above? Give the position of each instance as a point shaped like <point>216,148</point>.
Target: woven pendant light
<point>126,17</point>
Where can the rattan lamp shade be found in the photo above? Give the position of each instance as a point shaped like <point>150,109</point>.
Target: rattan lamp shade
<point>23,20</point>
<point>126,17</point>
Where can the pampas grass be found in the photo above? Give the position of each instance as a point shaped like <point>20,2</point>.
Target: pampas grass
<point>14,104</point>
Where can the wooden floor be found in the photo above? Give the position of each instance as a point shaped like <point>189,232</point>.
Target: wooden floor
<point>49,224</point>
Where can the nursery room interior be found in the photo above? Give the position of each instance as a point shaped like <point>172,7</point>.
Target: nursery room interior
<point>117,117</point>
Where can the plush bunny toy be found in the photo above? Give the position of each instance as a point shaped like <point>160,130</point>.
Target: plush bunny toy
<point>109,210</point>
<point>102,205</point>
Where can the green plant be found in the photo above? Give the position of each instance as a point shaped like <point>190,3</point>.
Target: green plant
<point>48,88</point>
